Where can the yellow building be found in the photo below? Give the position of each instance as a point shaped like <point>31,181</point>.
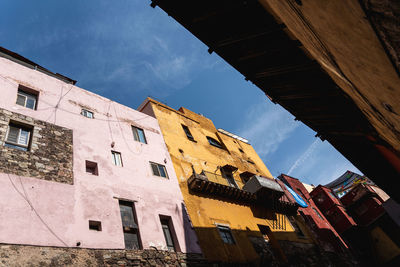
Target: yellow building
<point>213,165</point>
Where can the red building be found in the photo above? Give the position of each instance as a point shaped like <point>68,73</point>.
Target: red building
<point>332,208</point>
<point>328,238</point>
<point>365,217</point>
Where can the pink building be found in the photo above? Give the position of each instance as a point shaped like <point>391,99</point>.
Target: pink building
<point>77,169</point>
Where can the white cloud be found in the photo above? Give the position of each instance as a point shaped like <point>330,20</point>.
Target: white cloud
<point>304,156</point>
<point>320,164</point>
<point>267,126</point>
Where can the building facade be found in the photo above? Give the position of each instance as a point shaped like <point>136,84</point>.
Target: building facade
<point>364,215</point>
<point>236,207</point>
<point>79,170</point>
<point>324,232</point>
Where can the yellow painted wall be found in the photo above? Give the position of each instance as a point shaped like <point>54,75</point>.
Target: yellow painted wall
<point>207,211</point>
<point>385,248</point>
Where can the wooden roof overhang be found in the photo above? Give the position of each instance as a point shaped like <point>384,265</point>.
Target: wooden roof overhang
<point>249,38</point>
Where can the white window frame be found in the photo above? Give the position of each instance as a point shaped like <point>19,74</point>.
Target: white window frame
<point>158,167</point>
<point>136,136</point>
<point>20,129</point>
<point>27,96</point>
<point>85,113</point>
<point>114,158</point>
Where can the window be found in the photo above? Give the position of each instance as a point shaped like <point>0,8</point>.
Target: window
<point>188,133</point>
<point>116,158</point>
<point>18,136</point>
<point>296,227</point>
<point>87,113</point>
<point>95,225</point>
<point>159,170</point>
<point>214,142</point>
<point>319,215</point>
<point>241,150</point>
<point>226,234</point>
<point>91,167</point>
<point>167,228</point>
<point>138,135</point>
<point>229,177</point>
<point>129,225</point>
<point>26,98</point>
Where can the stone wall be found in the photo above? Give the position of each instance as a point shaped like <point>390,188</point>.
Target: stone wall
<point>17,255</point>
<point>49,156</point>
<point>20,255</point>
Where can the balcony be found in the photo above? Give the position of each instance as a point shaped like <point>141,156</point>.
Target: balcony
<point>217,185</point>
<point>256,191</point>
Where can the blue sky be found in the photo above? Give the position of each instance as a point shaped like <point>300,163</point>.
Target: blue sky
<point>125,50</point>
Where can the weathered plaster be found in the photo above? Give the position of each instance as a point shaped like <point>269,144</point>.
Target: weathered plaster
<point>46,213</point>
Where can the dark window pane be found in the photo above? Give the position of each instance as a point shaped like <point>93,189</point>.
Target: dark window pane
<point>127,216</point>
<point>131,240</point>
<point>154,167</point>
<point>142,138</point>
<point>214,142</point>
<point>187,132</point>
<point>13,133</point>
<point>135,133</point>
<point>163,173</point>
<point>167,234</point>
<point>226,234</point>
<point>30,103</point>
<point>21,100</point>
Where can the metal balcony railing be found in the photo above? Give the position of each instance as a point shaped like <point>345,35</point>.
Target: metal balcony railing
<point>216,178</point>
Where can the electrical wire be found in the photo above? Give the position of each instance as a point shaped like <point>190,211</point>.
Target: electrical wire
<point>24,195</point>
<point>123,136</point>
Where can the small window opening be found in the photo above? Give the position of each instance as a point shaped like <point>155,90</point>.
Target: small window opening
<point>18,136</point>
<point>87,113</point>
<point>138,135</point>
<point>91,167</point>
<point>116,158</point>
<point>214,142</point>
<point>27,97</point>
<point>159,170</point>
<point>188,133</point>
<point>95,225</point>
<point>241,150</point>
<point>226,234</point>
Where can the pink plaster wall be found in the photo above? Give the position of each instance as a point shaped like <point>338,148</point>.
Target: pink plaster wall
<point>61,212</point>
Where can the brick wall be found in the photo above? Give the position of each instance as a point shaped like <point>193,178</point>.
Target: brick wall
<point>50,154</point>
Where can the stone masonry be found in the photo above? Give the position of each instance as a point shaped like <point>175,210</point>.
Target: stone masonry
<point>17,255</point>
<point>50,154</point>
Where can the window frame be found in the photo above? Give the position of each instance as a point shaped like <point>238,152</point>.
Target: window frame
<point>132,229</point>
<point>189,135</point>
<point>113,152</point>
<point>223,229</point>
<point>136,136</point>
<point>212,141</point>
<point>84,113</point>
<point>169,228</point>
<point>20,127</point>
<point>27,95</point>
<point>158,169</point>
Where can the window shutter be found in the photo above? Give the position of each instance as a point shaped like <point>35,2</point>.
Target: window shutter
<point>13,133</point>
